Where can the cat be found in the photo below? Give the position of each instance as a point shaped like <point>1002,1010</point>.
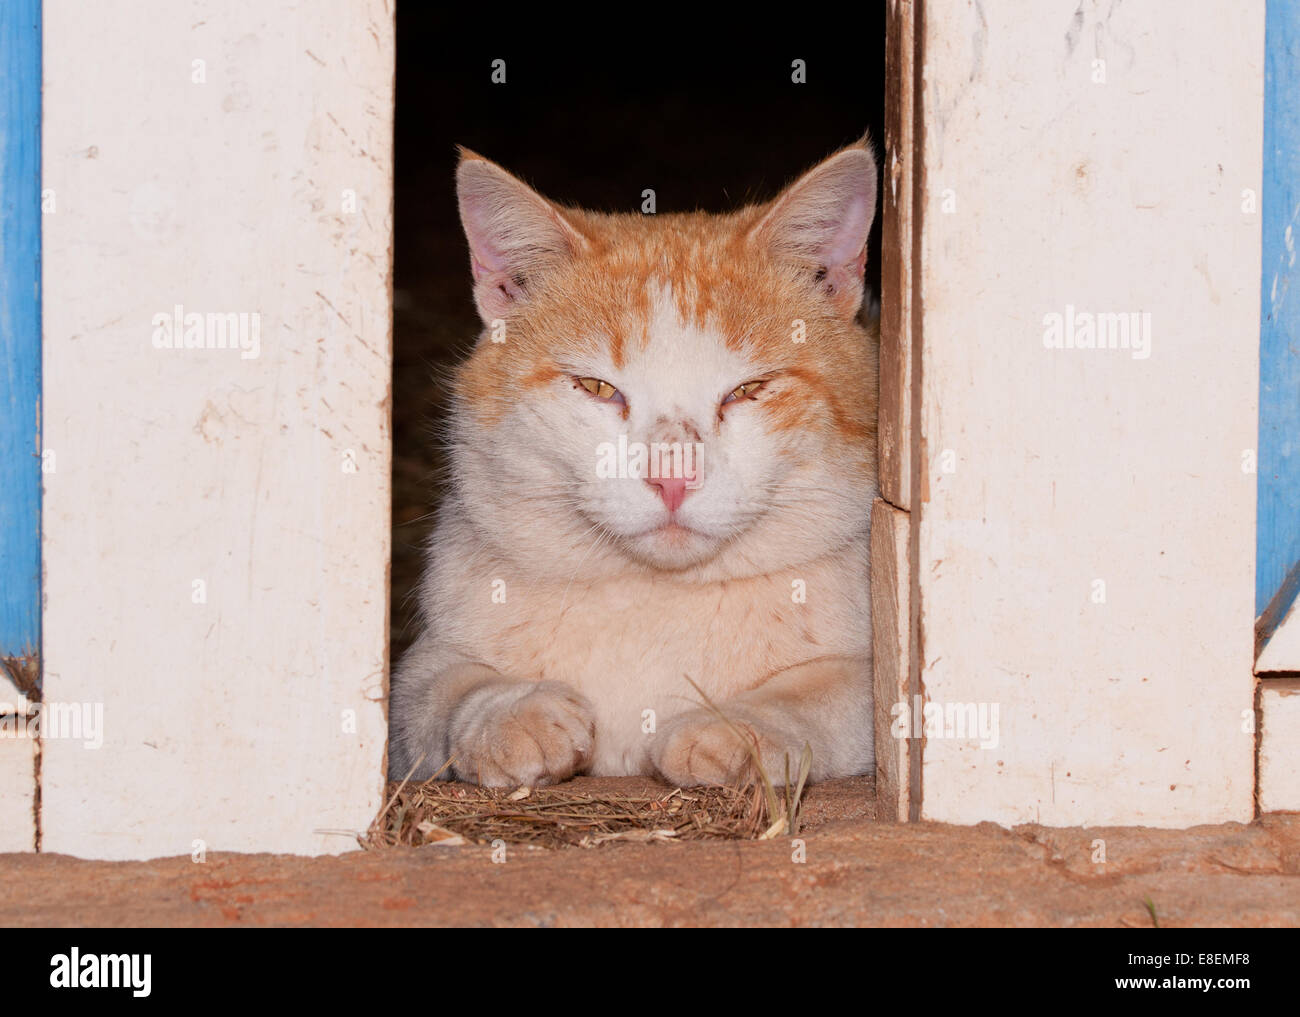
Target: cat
<point>571,598</point>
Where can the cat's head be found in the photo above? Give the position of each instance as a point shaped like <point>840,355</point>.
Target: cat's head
<point>688,393</point>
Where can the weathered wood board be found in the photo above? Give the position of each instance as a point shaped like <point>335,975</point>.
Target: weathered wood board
<point>1086,527</point>
<point>20,403</point>
<point>889,641</point>
<point>217,515</point>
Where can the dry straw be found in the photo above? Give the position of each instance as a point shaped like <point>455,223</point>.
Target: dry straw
<point>450,814</point>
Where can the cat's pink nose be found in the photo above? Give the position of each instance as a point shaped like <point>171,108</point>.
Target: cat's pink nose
<point>671,489</point>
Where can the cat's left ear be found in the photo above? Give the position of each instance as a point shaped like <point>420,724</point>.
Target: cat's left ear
<point>822,221</point>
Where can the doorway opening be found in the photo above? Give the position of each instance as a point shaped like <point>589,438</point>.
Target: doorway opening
<point>709,124</point>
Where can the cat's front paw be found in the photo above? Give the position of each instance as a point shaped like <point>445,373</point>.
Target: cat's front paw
<point>700,748</point>
<point>513,733</point>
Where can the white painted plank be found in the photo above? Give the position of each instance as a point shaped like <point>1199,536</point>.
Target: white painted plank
<point>1279,777</point>
<point>1048,471</point>
<point>17,773</point>
<point>17,790</point>
<point>246,713</point>
<point>1281,654</point>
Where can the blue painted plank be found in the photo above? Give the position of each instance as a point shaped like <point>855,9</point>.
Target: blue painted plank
<point>20,326</point>
<point>1278,516</point>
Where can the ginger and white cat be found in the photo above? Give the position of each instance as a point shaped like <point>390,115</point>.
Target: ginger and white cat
<point>564,608</point>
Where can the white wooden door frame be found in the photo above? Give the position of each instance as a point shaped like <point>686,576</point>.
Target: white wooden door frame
<point>1081,533</point>
<point>217,526</point>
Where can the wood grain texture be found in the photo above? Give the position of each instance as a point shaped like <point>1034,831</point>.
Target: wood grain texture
<point>895,265</point>
<point>889,641</point>
<point>217,529</point>
<point>1053,470</point>
<point>20,327</point>
<point>1278,527</point>
<point>20,401</point>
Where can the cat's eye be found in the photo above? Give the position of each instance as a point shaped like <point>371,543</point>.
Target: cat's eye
<point>745,391</point>
<point>601,389</point>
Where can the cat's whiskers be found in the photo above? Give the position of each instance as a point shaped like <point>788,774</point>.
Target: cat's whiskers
<point>600,538</point>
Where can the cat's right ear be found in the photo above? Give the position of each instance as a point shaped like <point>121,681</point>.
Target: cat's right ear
<point>515,235</point>
<point>823,220</point>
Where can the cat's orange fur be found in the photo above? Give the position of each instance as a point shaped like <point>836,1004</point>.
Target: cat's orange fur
<point>565,610</point>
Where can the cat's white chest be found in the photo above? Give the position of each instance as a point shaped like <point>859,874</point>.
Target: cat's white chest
<point>634,646</point>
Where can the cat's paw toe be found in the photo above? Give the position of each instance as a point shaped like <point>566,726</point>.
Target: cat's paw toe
<point>700,748</point>
<point>536,735</point>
